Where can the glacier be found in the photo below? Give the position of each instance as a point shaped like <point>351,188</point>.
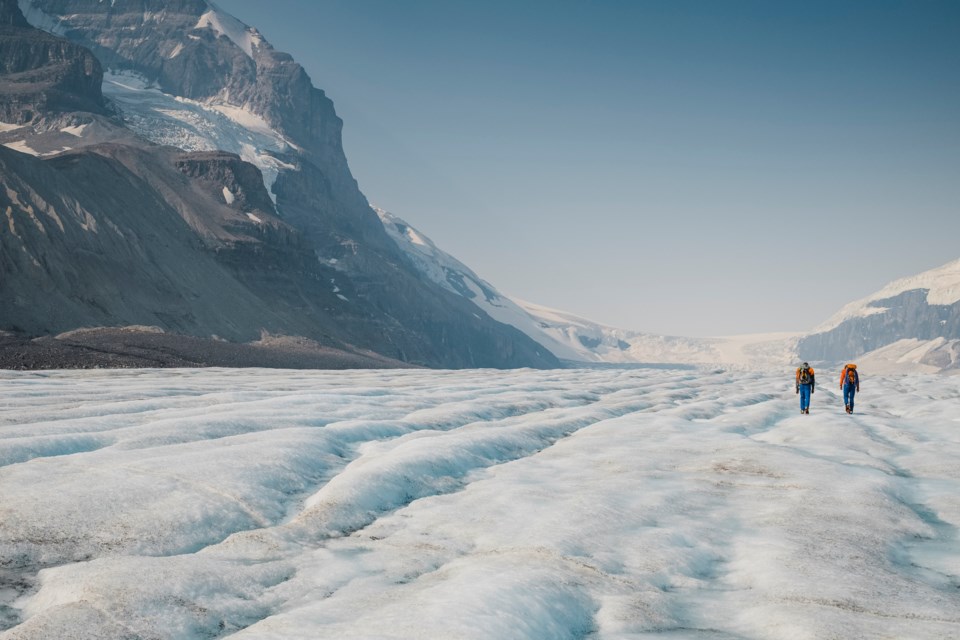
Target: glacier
<point>198,126</point>
<point>575,503</point>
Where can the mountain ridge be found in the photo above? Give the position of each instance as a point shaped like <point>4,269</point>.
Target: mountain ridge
<point>300,253</point>
<point>278,223</point>
<point>578,339</point>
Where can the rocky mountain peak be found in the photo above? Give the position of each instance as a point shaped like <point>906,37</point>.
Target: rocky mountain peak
<point>918,311</point>
<point>41,74</point>
<point>11,16</point>
<point>218,203</point>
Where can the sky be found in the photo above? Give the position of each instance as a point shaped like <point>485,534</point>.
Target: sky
<point>686,168</point>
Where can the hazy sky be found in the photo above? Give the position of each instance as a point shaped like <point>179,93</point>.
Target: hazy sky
<point>691,168</point>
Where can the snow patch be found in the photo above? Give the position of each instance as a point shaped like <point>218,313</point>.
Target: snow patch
<point>247,38</point>
<point>228,195</point>
<point>254,218</point>
<point>22,147</point>
<point>128,80</point>
<point>177,50</point>
<point>4,127</point>
<point>75,130</point>
<point>41,20</point>
<point>245,118</point>
<point>911,355</point>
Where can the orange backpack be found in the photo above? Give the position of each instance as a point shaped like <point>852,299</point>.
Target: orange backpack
<point>849,374</point>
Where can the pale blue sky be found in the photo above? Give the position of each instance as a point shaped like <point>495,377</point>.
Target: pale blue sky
<point>692,168</point>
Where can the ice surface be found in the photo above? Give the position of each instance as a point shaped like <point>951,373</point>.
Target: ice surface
<point>627,503</point>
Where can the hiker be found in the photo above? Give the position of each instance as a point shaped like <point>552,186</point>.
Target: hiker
<point>805,385</point>
<point>850,383</point>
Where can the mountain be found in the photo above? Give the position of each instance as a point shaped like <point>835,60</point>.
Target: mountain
<point>912,323</point>
<point>571,337</point>
<point>187,176</point>
<point>443,269</point>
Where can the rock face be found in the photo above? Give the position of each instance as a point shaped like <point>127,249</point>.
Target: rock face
<point>87,241</point>
<point>920,309</point>
<point>192,50</point>
<point>125,232</point>
<point>905,316</point>
<point>41,74</point>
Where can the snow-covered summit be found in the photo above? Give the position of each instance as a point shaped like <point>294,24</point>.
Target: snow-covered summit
<point>942,286</point>
<point>912,324</point>
<point>245,37</point>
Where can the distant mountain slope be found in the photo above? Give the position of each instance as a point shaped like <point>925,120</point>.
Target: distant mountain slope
<point>107,227</point>
<point>445,270</point>
<point>913,321</point>
<point>571,337</point>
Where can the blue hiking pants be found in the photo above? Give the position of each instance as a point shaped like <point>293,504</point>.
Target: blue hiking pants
<point>804,397</point>
<point>849,390</point>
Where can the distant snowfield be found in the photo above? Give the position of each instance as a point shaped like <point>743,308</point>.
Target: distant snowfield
<point>628,503</point>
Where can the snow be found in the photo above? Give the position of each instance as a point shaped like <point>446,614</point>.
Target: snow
<point>942,285</point>
<point>246,119</point>
<point>76,130</point>
<point>584,503</point>
<point>223,23</point>
<point>6,126</point>
<point>197,126</point>
<point>255,218</point>
<point>22,147</point>
<point>228,195</point>
<point>41,20</point>
<point>911,355</point>
<point>128,80</point>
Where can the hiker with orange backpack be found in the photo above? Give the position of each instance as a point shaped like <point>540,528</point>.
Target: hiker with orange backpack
<point>850,384</point>
<point>805,385</point>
